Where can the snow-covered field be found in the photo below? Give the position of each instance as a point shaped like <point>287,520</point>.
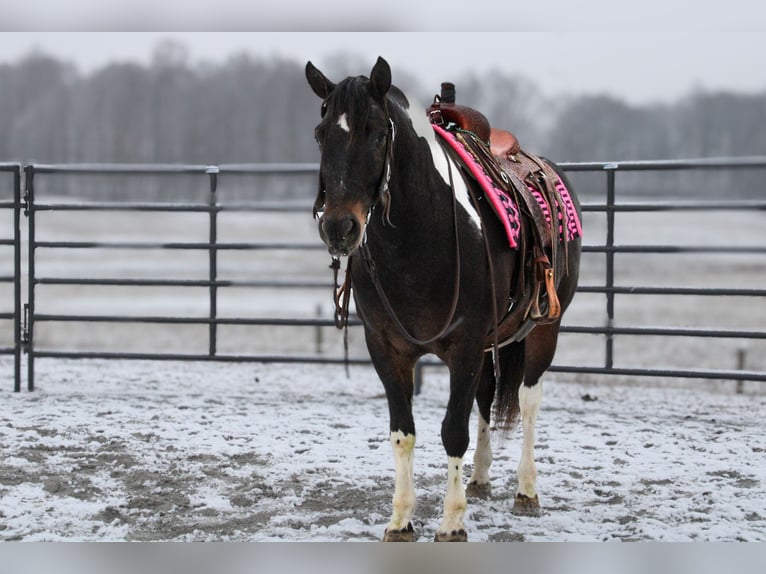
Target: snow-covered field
<point>220,452</point>
<point>111,450</point>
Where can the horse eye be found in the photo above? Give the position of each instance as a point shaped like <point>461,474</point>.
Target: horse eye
<point>323,110</point>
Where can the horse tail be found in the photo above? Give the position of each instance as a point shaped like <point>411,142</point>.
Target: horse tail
<point>507,388</point>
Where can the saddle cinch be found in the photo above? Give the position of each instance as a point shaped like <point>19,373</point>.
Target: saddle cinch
<point>521,174</point>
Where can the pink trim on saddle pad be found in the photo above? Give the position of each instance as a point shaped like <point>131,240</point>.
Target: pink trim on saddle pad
<point>504,206</point>
<point>574,228</point>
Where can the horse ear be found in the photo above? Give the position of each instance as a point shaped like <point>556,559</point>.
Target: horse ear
<point>380,79</point>
<point>318,81</point>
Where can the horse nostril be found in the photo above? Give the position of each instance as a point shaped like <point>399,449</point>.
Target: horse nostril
<point>340,234</point>
<point>349,227</point>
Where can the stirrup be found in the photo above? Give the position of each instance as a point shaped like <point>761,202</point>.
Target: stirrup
<point>553,311</point>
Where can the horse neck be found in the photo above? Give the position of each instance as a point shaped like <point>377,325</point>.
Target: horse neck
<point>421,205</point>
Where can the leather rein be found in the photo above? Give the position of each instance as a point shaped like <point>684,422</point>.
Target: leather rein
<point>342,293</point>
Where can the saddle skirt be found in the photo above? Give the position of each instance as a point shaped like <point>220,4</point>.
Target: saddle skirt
<point>516,188</point>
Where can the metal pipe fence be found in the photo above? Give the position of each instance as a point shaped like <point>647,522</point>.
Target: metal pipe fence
<point>10,242</point>
<point>213,247</point>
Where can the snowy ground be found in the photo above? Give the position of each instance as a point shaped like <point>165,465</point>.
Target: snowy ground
<point>119,451</point>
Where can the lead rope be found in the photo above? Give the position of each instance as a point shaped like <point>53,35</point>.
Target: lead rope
<point>341,298</point>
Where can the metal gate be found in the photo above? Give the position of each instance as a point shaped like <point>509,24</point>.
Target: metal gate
<point>214,203</point>
<point>10,275</point>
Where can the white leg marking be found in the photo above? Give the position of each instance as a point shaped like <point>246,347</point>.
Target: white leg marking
<point>529,404</point>
<point>343,123</point>
<point>455,500</point>
<point>482,456</point>
<point>404,491</point>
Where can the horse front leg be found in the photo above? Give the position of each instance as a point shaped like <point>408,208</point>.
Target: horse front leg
<point>400,528</point>
<point>455,438</point>
<point>396,371</point>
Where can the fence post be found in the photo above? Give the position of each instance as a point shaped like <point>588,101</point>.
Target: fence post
<point>29,308</point>
<point>741,360</point>
<point>17,338</point>
<point>609,351</point>
<point>318,340</point>
<point>212,172</point>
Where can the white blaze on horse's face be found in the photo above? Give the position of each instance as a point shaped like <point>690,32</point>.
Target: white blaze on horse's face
<point>423,129</point>
<point>343,123</point>
<point>347,177</point>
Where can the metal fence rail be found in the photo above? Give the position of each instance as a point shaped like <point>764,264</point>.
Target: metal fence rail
<point>610,208</point>
<point>213,246</point>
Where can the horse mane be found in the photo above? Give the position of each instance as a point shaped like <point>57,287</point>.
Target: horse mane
<point>397,96</point>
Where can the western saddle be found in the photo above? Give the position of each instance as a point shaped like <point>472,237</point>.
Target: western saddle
<point>517,172</point>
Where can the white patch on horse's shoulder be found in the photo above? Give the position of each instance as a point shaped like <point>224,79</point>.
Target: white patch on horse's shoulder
<point>423,128</point>
<point>343,123</point>
<point>421,125</point>
<point>444,165</point>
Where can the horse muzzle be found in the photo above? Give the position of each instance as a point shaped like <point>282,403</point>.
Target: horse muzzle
<point>342,233</point>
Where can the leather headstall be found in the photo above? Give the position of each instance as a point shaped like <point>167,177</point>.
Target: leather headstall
<point>382,195</point>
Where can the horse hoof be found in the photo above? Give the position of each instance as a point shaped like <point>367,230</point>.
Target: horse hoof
<point>454,536</point>
<point>403,535</point>
<point>526,506</point>
<point>476,490</point>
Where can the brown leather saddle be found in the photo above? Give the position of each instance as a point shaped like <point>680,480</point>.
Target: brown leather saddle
<point>521,174</point>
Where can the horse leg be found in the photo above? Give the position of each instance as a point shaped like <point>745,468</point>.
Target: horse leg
<point>479,485</point>
<point>396,373</point>
<point>539,351</point>
<point>464,378</point>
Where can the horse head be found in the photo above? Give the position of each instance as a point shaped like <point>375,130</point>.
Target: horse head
<point>355,137</point>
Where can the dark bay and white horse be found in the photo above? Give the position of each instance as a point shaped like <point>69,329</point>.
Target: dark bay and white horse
<point>432,273</point>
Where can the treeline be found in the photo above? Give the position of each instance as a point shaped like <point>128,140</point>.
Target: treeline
<point>252,110</point>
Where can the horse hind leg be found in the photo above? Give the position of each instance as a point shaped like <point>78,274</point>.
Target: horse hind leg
<point>479,485</point>
<point>540,348</point>
<point>527,502</point>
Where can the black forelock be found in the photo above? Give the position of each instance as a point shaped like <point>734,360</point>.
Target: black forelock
<point>351,96</point>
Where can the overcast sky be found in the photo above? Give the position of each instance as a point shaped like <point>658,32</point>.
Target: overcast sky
<point>656,51</point>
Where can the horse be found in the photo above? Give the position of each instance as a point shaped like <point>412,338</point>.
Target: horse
<point>431,273</point>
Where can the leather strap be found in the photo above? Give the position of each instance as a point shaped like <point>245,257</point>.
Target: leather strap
<point>372,270</point>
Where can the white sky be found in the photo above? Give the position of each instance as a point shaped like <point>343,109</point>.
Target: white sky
<point>650,51</point>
